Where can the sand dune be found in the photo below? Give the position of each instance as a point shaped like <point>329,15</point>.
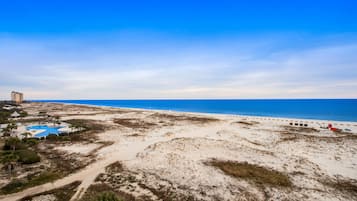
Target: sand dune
<point>169,150</point>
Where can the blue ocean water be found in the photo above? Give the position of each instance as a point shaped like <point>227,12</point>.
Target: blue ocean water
<point>322,109</point>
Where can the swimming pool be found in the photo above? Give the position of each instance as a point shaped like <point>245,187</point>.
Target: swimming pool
<point>46,130</point>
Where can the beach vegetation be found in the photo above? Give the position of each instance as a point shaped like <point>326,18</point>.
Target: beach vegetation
<point>348,186</point>
<point>107,196</point>
<point>28,156</point>
<point>10,127</point>
<point>114,167</point>
<point>257,174</point>
<point>9,159</point>
<point>52,137</point>
<point>64,193</point>
<point>185,118</point>
<point>134,123</point>
<point>13,143</point>
<point>85,125</point>
<point>17,185</point>
<point>17,151</point>
<point>30,142</point>
<point>4,116</point>
<point>295,129</point>
<point>247,123</point>
<point>104,192</point>
<point>23,113</point>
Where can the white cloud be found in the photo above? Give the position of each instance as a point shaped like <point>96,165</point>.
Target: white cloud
<point>231,68</point>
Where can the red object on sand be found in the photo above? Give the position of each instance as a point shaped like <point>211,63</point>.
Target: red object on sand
<point>332,128</point>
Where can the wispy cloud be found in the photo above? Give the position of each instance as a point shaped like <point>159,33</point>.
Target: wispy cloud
<point>251,67</point>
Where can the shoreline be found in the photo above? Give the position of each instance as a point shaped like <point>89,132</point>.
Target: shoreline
<point>323,121</point>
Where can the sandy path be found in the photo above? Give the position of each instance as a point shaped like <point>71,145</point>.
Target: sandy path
<point>89,173</point>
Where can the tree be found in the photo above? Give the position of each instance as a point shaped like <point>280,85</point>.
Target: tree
<point>11,126</point>
<point>6,131</point>
<point>9,159</point>
<point>56,120</point>
<point>12,143</point>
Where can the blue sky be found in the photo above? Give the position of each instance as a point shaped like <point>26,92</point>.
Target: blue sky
<point>178,49</point>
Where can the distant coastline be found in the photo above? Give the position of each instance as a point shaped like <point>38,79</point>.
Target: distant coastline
<point>313,109</point>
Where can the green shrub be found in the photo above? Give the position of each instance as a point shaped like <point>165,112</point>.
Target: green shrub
<point>4,115</point>
<point>66,138</point>
<point>14,186</point>
<point>23,114</point>
<point>52,137</point>
<point>107,196</point>
<point>28,156</point>
<point>44,177</point>
<point>14,144</point>
<point>31,141</point>
<point>18,185</point>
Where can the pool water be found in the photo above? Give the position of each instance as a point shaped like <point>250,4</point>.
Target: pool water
<point>47,130</point>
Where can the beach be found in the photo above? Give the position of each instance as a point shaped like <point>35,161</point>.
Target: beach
<point>167,154</point>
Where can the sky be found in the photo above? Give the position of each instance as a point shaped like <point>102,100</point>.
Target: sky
<point>152,49</point>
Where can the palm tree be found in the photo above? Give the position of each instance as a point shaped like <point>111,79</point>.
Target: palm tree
<point>11,126</point>
<point>56,120</point>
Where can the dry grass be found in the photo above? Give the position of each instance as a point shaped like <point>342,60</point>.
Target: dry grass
<point>300,129</point>
<point>257,174</point>
<point>345,186</point>
<point>88,133</point>
<point>114,167</point>
<point>134,123</point>
<point>62,162</point>
<point>293,136</point>
<point>176,118</point>
<point>17,185</point>
<point>64,193</point>
<point>247,123</point>
<point>87,124</point>
<point>96,189</point>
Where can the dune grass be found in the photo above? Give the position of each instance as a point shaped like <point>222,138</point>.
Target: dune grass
<point>63,193</point>
<point>257,174</point>
<point>19,185</point>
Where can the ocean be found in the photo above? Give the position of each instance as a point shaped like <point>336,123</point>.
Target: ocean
<point>320,109</point>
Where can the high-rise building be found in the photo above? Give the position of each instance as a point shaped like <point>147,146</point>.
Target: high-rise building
<point>17,97</point>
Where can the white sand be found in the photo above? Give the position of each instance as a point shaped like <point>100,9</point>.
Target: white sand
<point>177,153</point>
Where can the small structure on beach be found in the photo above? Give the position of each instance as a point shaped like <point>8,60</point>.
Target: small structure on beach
<point>298,124</point>
<point>8,107</point>
<point>15,115</point>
